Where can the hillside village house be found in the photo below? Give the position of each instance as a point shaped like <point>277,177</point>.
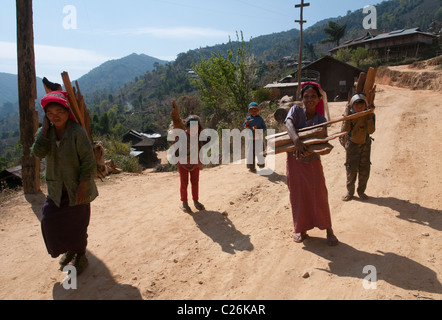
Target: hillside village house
<point>12,178</point>
<point>396,44</point>
<point>145,145</point>
<point>337,78</point>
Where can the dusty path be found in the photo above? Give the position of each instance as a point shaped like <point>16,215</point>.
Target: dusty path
<point>142,247</point>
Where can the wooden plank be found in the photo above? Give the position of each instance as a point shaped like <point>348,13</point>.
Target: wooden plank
<point>315,140</point>
<point>284,139</point>
<point>370,81</point>
<point>283,142</point>
<point>361,82</point>
<point>320,149</point>
<point>370,87</point>
<point>72,99</point>
<point>353,116</point>
<point>320,131</point>
<point>350,117</point>
<point>310,142</point>
<point>82,106</point>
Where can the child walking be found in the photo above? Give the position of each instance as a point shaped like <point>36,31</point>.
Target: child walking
<point>358,147</point>
<point>188,169</point>
<point>253,122</point>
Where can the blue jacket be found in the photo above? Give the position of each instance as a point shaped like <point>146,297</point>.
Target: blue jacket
<point>255,123</point>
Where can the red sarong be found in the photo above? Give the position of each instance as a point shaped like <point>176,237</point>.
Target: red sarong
<point>308,195</point>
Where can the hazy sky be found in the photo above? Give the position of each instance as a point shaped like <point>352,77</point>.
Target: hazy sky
<point>78,35</point>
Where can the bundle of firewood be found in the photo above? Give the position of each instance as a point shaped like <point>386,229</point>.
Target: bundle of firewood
<point>315,137</point>
<point>366,84</point>
<point>81,115</point>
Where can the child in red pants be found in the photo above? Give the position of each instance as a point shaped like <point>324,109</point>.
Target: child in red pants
<point>188,169</point>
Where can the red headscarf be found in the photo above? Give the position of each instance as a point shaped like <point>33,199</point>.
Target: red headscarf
<point>320,106</point>
<point>60,97</point>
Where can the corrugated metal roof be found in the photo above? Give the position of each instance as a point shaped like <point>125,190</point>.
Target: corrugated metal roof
<point>281,85</point>
<point>398,33</point>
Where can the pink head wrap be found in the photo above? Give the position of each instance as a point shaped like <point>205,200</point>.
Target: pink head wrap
<point>60,97</point>
<point>320,106</point>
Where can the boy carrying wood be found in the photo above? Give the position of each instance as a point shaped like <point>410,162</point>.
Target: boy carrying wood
<point>358,146</point>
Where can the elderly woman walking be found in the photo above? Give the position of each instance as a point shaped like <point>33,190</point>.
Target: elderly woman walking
<point>305,177</point>
<point>70,168</point>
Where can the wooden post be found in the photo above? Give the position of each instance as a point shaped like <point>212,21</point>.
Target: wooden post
<point>27,92</point>
<point>301,23</point>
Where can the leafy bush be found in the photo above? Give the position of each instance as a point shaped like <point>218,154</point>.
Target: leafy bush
<point>119,153</point>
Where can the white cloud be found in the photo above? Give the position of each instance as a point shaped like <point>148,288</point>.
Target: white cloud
<point>53,54</point>
<point>44,53</point>
<point>8,50</point>
<point>51,60</point>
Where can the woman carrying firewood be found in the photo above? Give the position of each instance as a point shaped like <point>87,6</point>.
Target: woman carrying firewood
<point>70,168</point>
<point>305,176</point>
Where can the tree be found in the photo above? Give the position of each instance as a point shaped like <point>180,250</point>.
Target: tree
<point>359,55</point>
<point>310,48</point>
<point>225,82</point>
<point>104,124</point>
<point>335,32</point>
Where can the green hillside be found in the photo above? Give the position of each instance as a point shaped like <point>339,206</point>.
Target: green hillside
<point>115,73</point>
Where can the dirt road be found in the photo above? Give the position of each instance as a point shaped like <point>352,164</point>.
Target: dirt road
<point>141,246</point>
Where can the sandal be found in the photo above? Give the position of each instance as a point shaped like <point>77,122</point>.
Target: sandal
<point>363,196</point>
<point>300,237</point>
<point>66,259</point>
<point>347,197</point>
<point>199,205</point>
<point>332,241</point>
<point>185,207</point>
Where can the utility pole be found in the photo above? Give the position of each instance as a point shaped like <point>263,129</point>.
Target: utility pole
<point>301,22</point>
<point>27,93</point>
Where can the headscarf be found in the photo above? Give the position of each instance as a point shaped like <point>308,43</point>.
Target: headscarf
<point>60,97</point>
<point>193,117</point>
<point>359,97</point>
<point>320,106</point>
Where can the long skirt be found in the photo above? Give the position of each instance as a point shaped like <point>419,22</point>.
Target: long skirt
<point>65,228</point>
<point>308,195</point>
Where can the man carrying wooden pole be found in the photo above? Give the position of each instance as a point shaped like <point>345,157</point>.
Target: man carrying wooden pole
<point>27,91</point>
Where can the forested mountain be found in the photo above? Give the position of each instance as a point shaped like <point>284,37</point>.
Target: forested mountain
<point>173,80</point>
<point>115,73</point>
<point>9,89</point>
<point>148,97</point>
<point>391,15</point>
